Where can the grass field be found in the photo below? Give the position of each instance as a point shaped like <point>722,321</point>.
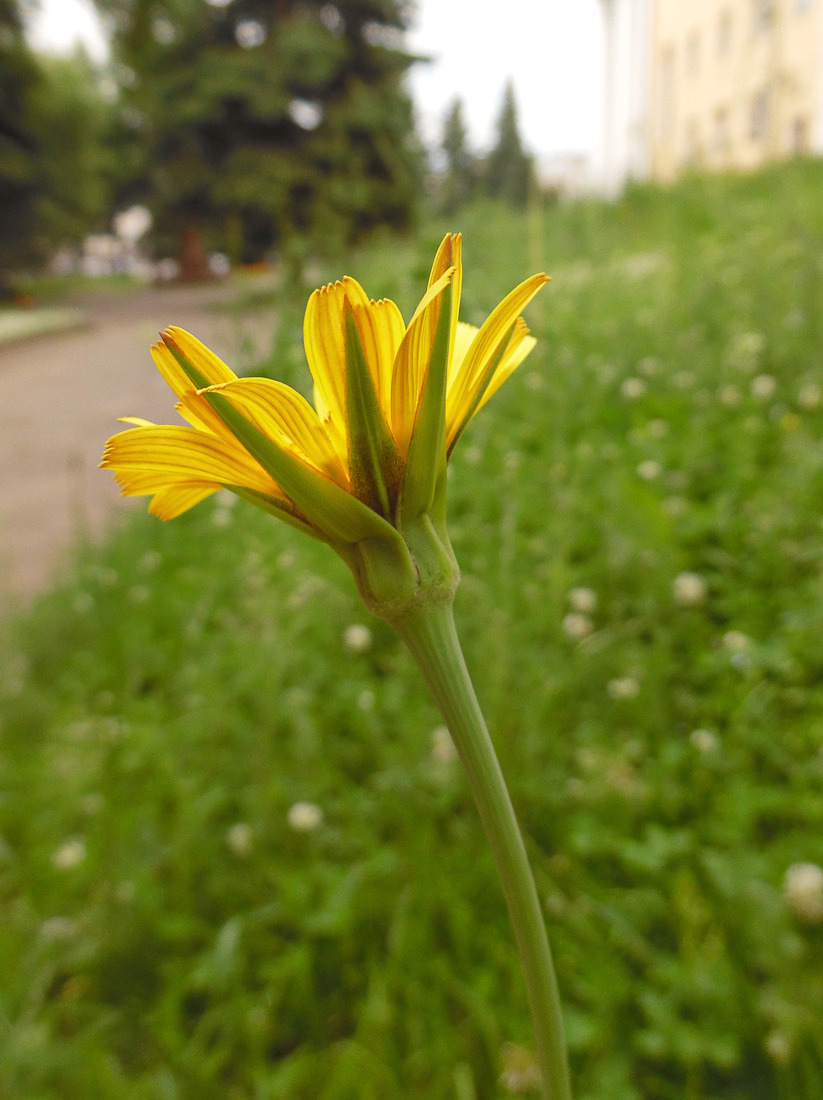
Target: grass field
<point>236,859</point>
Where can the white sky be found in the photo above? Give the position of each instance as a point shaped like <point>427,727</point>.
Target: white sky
<point>550,48</point>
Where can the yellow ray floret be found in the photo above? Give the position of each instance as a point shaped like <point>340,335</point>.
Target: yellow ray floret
<point>375,412</point>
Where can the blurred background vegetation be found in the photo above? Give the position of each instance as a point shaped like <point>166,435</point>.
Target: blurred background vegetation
<point>246,128</point>
<point>237,858</point>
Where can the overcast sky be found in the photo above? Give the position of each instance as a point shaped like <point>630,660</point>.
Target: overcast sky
<point>551,49</point>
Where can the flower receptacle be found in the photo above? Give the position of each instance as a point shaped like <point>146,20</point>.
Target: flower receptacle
<point>398,577</point>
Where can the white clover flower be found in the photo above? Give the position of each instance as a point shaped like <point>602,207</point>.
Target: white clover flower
<point>803,891</point>
<point>764,386</point>
<point>152,559</point>
<point>729,396</point>
<point>582,599</point>
<point>649,470</point>
<point>676,506</point>
<point>632,388</point>
<point>139,593</point>
<point>443,750</point>
<point>808,396</point>
<point>575,787</point>
<point>125,892</point>
<point>240,838</point>
<point>70,854</point>
<point>658,427</point>
<point>357,638</point>
<point>778,1046</point>
<point>648,366</point>
<point>690,589</point>
<point>287,560</point>
<point>577,626</point>
<point>640,265</point>
<point>623,687</point>
<point>704,741</point>
<point>304,817</point>
<point>365,700</point>
<point>745,350</point>
<point>221,517</point>
<point>736,641</point>
<point>83,602</point>
<point>58,929</point>
<point>520,1072</point>
<point>92,803</point>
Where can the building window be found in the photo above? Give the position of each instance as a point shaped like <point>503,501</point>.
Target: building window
<point>762,15</point>
<point>693,53</point>
<point>724,33</point>
<point>759,116</point>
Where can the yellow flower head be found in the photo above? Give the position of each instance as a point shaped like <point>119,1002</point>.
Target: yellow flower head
<point>391,401</point>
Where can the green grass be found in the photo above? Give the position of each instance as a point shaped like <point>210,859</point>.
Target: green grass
<point>22,324</point>
<point>189,678</point>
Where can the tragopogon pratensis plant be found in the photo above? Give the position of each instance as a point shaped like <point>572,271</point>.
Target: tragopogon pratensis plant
<point>364,470</point>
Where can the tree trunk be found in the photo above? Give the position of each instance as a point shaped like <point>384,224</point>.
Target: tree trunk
<point>192,256</point>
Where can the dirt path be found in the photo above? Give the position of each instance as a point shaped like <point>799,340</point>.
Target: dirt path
<point>60,397</point>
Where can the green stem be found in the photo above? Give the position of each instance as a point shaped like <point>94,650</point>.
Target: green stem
<point>429,632</point>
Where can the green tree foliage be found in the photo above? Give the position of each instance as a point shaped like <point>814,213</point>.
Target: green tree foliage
<point>459,175</point>
<point>267,123</point>
<point>509,169</point>
<point>53,118</point>
<point>72,120</point>
<point>19,78</point>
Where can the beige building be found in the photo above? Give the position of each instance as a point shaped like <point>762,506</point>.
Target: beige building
<point>724,84</point>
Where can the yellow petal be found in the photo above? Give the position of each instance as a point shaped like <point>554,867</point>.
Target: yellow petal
<point>209,369</point>
<point>145,458</point>
<point>487,347</point>
<point>450,254</point>
<point>196,411</point>
<point>381,328</point>
<point>283,415</point>
<point>519,346</point>
<point>463,339</point>
<point>325,346</point>
<point>174,500</point>
<point>135,421</point>
<point>412,362</point>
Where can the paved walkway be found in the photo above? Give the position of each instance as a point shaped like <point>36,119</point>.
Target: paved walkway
<point>60,396</point>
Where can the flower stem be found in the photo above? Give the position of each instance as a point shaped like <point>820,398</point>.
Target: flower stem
<point>429,632</point>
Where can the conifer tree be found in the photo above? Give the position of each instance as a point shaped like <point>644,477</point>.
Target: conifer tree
<point>268,123</point>
<point>53,181</point>
<point>509,168</point>
<point>19,81</point>
<point>459,171</point>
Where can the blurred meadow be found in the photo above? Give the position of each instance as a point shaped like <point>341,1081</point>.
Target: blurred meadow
<point>637,517</point>
<point>238,859</point>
